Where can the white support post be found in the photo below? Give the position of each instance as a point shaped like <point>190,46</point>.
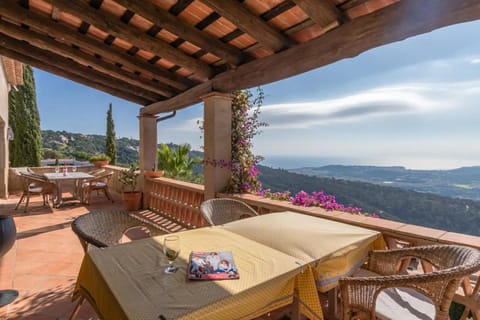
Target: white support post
<point>217,141</point>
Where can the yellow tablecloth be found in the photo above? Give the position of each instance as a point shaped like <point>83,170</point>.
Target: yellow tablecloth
<point>127,281</point>
<point>333,249</point>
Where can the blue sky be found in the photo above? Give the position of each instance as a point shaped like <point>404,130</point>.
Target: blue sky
<point>412,103</point>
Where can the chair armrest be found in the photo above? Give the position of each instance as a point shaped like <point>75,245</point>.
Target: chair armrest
<point>385,262</point>
<point>360,294</point>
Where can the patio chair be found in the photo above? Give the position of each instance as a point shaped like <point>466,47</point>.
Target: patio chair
<point>34,184</point>
<point>223,210</point>
<point>104,229</point>
<point>96,172</point>
<point>99,183</point>
<point>379,292</point>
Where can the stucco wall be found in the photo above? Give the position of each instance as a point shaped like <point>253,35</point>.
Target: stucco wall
<point>3,133</point>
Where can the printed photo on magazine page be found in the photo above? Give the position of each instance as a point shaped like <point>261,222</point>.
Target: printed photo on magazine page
<point>214,265</point>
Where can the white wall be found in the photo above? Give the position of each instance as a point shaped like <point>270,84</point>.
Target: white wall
<point>3,133</point>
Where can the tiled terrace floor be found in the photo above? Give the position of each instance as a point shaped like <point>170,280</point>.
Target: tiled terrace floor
<point>44,262</point>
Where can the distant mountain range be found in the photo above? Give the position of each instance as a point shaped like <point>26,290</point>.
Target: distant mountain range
<point>379,190</point>
<point>457,183</point>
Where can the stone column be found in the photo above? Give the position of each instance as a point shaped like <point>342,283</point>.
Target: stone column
<point>148,142</point>
<point>217,140</point>
<point>3,160</point>
<point>147,151</point>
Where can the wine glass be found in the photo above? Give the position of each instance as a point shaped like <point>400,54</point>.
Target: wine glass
<point>57,169</point>
<point>74,168</point>
<point>171,249</point>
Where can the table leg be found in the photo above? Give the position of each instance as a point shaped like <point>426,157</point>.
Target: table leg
<point>58,196</point>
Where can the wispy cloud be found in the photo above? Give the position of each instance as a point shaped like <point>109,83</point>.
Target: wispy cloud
<point>384,101</point>
<point>475,61</point>
<point>188,125</point>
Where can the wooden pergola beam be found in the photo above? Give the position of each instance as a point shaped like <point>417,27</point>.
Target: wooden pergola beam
<point>65,74</point>
<point>51,58</point>
<point>187,32</point>
<point>249,23</point>
<point>182,100</point>
<point>322,12</point>
<point>399,21</point>
<point>134,36</point>
<point>15,12</point>
<point>46,43</point>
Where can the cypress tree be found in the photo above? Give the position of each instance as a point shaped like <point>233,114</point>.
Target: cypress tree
<point>110,144</point>
<point>26,147</point>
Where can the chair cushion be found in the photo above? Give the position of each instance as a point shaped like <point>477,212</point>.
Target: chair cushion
<point>95,184</point>
<point>401,303</point>
<point>34,189</point>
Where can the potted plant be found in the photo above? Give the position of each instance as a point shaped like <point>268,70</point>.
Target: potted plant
<point>100,160</point>
<point>131,197</point>
<point>154,173</point>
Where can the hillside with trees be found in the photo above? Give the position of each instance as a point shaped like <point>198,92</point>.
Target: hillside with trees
<point>425,209</point>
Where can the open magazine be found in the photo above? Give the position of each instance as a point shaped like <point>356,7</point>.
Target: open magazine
<point>215,265</point>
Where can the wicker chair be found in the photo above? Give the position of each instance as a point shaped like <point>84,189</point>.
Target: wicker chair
<point>223,210</point>
<point>382,293</point>
<point>106,228</point>
<point>99,183</point>
<point>34,184</point>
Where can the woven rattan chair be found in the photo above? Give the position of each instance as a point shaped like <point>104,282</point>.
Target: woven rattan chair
<point>223,210</point>
<point>104,229</point>
<point>97,184</point>
<point>382,293</point>
<point>34,184</point>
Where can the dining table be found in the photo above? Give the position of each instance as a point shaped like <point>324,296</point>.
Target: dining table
<point>60,179</point>
<point>127,281</point>
<point>282,258</point>
<point>333,249</point>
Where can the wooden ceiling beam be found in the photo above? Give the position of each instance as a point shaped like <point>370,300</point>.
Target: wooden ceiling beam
<point>73,67</point>
<point>187,32</point>
<point>46,43</point>
<point>396,22</point>
<point>136,37</point>
<point>180,101</point>
<point>15,12</point>
<point>322,12</point>
<point>249,23</point>
<point>73,77</point>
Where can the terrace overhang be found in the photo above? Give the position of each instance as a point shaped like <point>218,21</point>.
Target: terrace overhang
<point>165,55</point>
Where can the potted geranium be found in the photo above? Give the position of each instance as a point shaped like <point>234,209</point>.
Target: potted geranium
<point>100,160</point>
<point>131,197</point>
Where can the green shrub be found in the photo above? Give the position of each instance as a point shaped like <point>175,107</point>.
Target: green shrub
<point>99,157</point>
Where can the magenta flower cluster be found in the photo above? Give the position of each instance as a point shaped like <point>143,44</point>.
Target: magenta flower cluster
<point>316,199</point>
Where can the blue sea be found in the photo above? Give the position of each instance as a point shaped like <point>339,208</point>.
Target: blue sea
<point>285,162</point>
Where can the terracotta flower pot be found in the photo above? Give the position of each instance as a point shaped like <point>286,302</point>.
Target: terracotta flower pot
<point>153,174</point>
<point>132,200</point>
<point>100,163</point>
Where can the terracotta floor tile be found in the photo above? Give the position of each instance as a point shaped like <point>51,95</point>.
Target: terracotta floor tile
<point>44,262</point>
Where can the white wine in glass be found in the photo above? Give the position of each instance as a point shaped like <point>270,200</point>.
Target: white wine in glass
<point>171,249</point>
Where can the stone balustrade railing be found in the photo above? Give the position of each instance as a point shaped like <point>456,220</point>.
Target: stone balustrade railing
<point>177,200</point>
